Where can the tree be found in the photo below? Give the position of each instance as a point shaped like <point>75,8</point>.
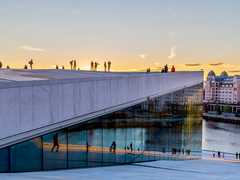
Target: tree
<point>30,63</point>
<point>1,65</point>
<point>56,66</point>
<point>25,66</point>
<point>8,67</point>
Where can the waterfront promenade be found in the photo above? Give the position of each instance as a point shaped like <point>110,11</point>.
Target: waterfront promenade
<point>168,170</point>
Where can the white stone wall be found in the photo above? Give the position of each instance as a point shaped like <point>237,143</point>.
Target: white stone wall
<point>27,107</point>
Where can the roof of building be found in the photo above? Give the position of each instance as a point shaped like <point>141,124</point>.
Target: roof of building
<point>16,75</point>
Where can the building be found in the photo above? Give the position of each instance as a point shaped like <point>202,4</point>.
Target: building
<point>59,119</point>
<point>223,89</point>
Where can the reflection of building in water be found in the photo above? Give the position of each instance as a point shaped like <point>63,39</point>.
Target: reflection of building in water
<point>223,137</point>
<point>144,132</point>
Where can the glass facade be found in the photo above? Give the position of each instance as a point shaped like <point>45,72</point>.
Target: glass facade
<point>166,127</point>
<point>4,160</point>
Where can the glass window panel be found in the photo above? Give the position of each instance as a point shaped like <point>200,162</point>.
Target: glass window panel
<point>4,164</point>
<point>121,145</point>
<point>138,144</point>
<point>55,150</point>
<point>95,155</point>
<point>27,156</point>
<point>130,145</point>
<point>77,148</point>
<point>109,145</point>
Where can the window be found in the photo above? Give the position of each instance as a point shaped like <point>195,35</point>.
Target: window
<point>4,164</point>
<point>77,147</point>
<point>55,150</point>
<point>27,156</point>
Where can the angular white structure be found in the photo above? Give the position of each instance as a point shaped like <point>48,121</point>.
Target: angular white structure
<point>36,102</point>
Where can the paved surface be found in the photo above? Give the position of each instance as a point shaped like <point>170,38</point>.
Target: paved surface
<point>11,75</point>
<point>167,170</point>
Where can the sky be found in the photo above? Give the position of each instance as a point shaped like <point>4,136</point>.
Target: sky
<point>133,34</point>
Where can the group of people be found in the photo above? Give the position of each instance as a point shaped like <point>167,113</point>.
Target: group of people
<point>238,155</point>
<point>165,69</point>
<point>179,151</point>
<point>94,66</point>
<point>73,64</point>
<point>219,155</point>
<point>113,146</point>
<point>107,66</point>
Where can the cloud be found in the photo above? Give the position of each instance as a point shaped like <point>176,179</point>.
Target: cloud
<point>216,64</point>
<point>30,48</point>
<point>192,65</point>
<point>142,56</point>
<point>172,52</point>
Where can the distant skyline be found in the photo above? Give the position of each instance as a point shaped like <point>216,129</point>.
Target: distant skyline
<point>134,34</point>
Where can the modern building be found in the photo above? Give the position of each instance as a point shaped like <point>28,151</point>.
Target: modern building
<point>59,119</point>
<point>222,89</point>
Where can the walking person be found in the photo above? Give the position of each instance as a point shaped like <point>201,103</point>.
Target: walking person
<point>55,143</point>
<point>166,68</point>
<point>96,66</point>
<point>131,147</point>
<point>74,64</point>
<point>105,66</point>
<point>109,66</point>
<point>87,147</point>
<point>113,147</point>
<point>92,65</point>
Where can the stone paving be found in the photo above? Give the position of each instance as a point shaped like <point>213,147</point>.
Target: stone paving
<point>167,170</point>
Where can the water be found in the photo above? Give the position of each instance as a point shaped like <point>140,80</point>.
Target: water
<point>222,137</point>
<point>190,132</point>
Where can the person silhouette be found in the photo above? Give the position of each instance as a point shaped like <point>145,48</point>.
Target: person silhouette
<point>173,69</point>
<point>113,147</point>
<point>92,65</point>
<point>166,68</point>
<point>105,66</point>
<point>109,66</point>
<point>96,66</point>
<point>131,147</point>
<point>55,143</point>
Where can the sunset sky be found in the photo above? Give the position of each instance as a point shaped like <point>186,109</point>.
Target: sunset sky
<point>133,34</point>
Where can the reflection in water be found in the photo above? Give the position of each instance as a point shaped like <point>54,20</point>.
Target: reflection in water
<point>222,137</point>
<point>181,134</point>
